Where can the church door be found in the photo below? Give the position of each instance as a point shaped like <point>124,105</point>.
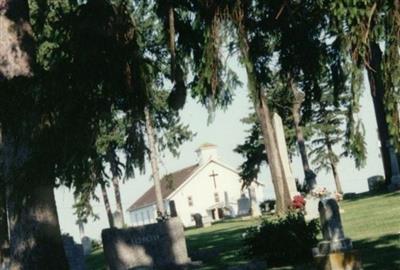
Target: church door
<point>172,209</point>
<point>220,213</point>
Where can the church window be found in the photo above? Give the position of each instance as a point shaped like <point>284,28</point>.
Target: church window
<point>190,201</point>
<point>148,216</point>
<point>216,197</point>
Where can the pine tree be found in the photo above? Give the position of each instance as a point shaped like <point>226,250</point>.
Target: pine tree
<point>362,28</point>
<point>329,133</point>
<point>330,120</point>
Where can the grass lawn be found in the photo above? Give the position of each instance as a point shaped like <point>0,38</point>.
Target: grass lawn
<point>218,246</point>
<point>372,221</point>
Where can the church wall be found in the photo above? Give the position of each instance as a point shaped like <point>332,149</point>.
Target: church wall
<point>202,191</point>
<point>145,215</point>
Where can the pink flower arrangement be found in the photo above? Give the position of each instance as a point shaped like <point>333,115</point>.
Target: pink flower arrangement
<point>320,192</point>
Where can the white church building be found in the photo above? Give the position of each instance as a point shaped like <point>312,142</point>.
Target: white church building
<point>210,188</point>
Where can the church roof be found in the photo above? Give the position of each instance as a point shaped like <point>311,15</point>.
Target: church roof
<point>169,183</point>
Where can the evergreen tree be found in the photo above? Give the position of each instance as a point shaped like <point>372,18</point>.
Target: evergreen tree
<point>361,28</point>
<point>49,131</point>
<point>329,133</point>
<point>330,120</point>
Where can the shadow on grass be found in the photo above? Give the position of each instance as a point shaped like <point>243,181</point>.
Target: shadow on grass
<point>218,248</point>
<point>380,253</point>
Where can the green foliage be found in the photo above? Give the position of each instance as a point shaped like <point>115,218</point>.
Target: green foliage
<point>283,240</point>
<point>329,122</point>
<point>98,64</point>
<point>253,151</point>
<point>362,24</point>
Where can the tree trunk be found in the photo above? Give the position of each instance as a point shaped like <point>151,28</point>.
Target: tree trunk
<point>334,167</point>
<point>309,175</point>
<point>154,163</point>
<point>34,231</point>
<point>107,205</point>
<point>118,200</point>
<point>171,30</point>
<point>16,42</point>
<point>259,97</point>
<point>378,94</point>
<point>4,241</point>
<point>283,199</point>
<point>35,236</point>
<point>4,238</point>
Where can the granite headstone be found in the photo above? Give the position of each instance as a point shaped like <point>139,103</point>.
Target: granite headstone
<point>154,246</point>
<point>74,253</point>
<point>376,182</point>
<point>332,228</point>
<point>255,209</point>
<point>311,208</point>
<point>336,251</point>
<point>244,205</point>
<point>86,245</point>
<point>290,182</point>
<point>118,219</point>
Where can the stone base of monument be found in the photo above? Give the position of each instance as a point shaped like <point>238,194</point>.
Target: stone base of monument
<point>154,246</point>
<point>326,247</point>
<point>346,260</point>
<point>335,252</point>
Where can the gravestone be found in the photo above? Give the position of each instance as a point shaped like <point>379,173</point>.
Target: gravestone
<point>335,252</point>
<point>244,205</point>
<point>118,219</point>
<point>74,253</point>
<point>86,245</point>
<point>290,182</point>
<point>255,209</point>
<point>198,220</point>
<point>311,208</point>
<point>154,246</point>
<point>375,183</point>
<point>85,241</point>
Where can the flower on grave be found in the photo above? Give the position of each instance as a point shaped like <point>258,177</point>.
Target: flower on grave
<point>298,202</point>
<point>320,192</point>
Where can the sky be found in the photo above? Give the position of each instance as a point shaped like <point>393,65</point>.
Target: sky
<point>226,131</point>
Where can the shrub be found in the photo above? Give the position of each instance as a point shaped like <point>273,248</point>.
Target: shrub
<point>283,240</point>
<point>96,244</point>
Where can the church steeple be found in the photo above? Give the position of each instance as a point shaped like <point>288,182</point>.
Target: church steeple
<point>206,152</point>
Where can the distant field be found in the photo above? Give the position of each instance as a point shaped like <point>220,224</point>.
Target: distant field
<point>372,221</point>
